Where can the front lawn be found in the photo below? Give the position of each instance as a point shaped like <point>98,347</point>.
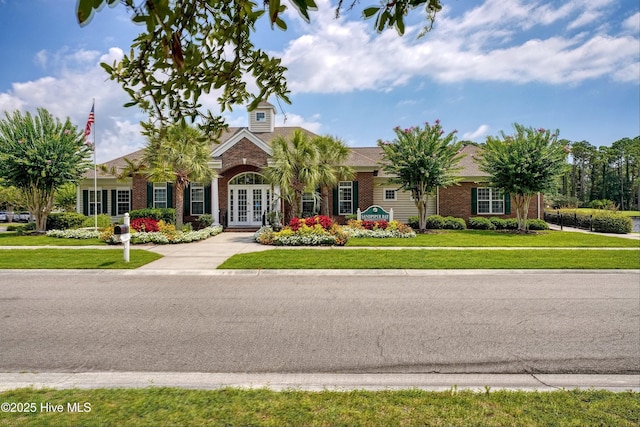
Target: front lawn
<point>52,258</point>
<point>336,258</point>
<point>12,239</point>
<point>485,238</point>
<point>261,407</point>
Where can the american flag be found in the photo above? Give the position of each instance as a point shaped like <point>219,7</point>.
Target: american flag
<point>90,121</point>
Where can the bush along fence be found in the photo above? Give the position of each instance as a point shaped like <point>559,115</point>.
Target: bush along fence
<point>604,222</point>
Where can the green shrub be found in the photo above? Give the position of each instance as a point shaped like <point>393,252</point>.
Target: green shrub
<point>205,220</point>
<point>167,215</point>
<point>453,223</point>
<point>498,223</point>
<point>537,224</point>
<point>64,220</point>
<point>434,222</point>
<point>413,222</point>
<point>608,222</point>
<point>104,221</point>
<point>602,204</point>
<point>355,216</point>
<point>481,223</point>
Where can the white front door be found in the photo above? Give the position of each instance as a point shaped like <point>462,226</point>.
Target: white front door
<point>247,204</point>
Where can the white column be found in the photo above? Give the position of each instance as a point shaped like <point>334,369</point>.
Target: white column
<point>215,201</point>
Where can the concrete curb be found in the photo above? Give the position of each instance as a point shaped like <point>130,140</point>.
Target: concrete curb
<point>320,381</point>
<point>397,272</point>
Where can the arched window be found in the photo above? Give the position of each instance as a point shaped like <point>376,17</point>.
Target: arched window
<point>249,178</point>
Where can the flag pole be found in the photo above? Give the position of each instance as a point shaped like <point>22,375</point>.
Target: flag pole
<point>95,173</point>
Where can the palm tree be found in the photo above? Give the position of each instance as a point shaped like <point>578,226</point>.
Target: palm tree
<point>294,168</point>
<point>179,155</point>
<point>331,169</point>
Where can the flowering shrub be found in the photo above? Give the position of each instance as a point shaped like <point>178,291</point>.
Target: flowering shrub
<point>391,229</point>
<point>324,221</point>
<point>314,231</point>
<point>144,224</point>
<point>177,237</point>
<point>75,234</point>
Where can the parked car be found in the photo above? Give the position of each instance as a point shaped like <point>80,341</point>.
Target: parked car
<point>22,217</point>
<point>4,217</point>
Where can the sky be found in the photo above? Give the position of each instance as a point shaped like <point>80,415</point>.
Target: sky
<point>572,65</point>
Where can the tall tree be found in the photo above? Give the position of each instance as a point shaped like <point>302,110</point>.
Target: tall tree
<point>294,169</point>
<point>190,47</point>
<point>421,159</point>
<point>524,164</point>
<point>332,155</point>
<point>38,154</point>
<point>179,155</point>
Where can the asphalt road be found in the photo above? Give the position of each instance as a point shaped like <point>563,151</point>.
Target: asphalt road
<point>481,322</point>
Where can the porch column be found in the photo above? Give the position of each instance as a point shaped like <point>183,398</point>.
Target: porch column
<point>215,201</point>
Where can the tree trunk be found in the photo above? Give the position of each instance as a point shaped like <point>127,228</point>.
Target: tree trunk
<point>522,202</point>
<point>421,204</point>
<point>179,190</point>
<point>324,201</point>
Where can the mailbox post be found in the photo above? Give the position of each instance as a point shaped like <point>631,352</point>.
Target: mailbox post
<point>125,235</point>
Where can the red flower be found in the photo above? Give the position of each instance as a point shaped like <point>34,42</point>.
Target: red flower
<point>144,224</point>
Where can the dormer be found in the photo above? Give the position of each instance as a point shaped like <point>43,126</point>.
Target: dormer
<point>263,118</point>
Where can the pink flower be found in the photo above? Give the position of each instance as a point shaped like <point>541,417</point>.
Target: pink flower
<point>66,132</point>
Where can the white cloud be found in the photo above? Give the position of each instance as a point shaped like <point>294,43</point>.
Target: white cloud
<point>74,81</point>
<point>632,23</point>
<point>293,120</point>
<point>482,131</point>
<point>499,40</point>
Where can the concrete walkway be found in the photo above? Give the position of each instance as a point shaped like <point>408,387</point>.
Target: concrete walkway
<point>203,255</point>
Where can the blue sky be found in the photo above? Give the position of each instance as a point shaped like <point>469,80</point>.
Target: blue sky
<point>572,65</point>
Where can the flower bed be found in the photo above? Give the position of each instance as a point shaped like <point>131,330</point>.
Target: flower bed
<point>78,233</point>
<point>378,229</point>
<point>166,234</point>
<point>321,231</point>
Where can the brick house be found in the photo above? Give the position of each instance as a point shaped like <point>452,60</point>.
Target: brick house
<point>240,196</point>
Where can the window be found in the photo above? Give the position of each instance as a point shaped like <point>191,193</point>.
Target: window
<point>345,198</point>
<point>309,205</point>
<point>95,202</point>
<point>197,198</point>
<point>390,194</point>
<point>261,117</point>
<point>490,201</point>
<point>159,194</point>
<point>123,201</point>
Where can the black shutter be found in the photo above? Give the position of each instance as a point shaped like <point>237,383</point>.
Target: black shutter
<point>149,195</point>
<point>207,200</point>
<point>474,201</point>
<point>354,206</point>
<point>85,202</point>
<point>105,209</point>
<point>114,203</point>
<point>335,200</point>
<point>507,204</point>
<point>169,195</point>
<point>186,208</point>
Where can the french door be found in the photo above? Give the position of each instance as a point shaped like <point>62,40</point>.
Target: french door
<point>247,204</point>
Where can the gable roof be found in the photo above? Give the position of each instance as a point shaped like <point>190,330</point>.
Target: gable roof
<point>359,157</point>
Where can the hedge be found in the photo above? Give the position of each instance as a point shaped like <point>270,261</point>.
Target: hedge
<point>64,220</point>
<point>168,215</point>
<point>606,222</point>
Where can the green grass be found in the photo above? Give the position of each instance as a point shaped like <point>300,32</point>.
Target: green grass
<point>74,258</point>
<point>483,238</point>
<point>435,259</point>
<point>12,239</point>
<point>261,407</point>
